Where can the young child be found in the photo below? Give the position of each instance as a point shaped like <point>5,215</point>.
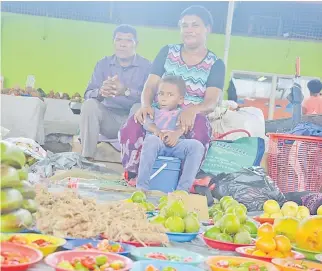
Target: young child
<point>313,104</point>
<point>164,138</point>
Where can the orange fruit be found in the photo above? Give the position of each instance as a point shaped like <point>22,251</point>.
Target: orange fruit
<point>150,268</point>
<point>259,253</point>
<point>249,250</point>
<point>265,244</point>
<point>266,230</point>
<point>275,254</point>
<point>283,244</point>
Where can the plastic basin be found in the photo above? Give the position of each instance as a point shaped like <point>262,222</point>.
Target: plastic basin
<point>182,237</point>
<point>35,256</point>
<point>211,262</point>
<point>141,265</point>
<point>222,245</point>
<point>243,252</point>
<point>74,244</point>
<point>194,258</point>
<point>46,250</point>
<point>280,263</point>
<point>54,259</point>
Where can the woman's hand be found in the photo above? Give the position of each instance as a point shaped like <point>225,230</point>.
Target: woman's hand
<point>187,119</point>
<point>141,115</point>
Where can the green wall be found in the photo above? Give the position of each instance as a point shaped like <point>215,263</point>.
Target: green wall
<point>62,53</point>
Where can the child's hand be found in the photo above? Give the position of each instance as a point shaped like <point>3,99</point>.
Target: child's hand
<point>170,138</point>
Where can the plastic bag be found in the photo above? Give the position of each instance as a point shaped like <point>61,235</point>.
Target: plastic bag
<point>250,187</point>
<point>29,147</point>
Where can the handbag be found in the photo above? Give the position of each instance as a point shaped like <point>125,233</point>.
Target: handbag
<point>227,156</point>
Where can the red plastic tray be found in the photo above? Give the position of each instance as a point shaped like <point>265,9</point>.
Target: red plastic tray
<point>264,220</point>
<point>34,254</point>
<point>134,243</point>
<point>222,245</point>
<point>242,251</point>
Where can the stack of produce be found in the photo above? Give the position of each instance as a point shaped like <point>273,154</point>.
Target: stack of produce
<point>17,195</point>
<point>290,209</point>
<point>174,216</point>
<point>271,245</point>
<point>140,198</point>
<point>231,222</point>
<point>65,214</point>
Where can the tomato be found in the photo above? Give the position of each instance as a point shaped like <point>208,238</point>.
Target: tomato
<point>253,267</point>
<point>87,246</point>
<point>75,261</point>
<point>41,243</point>
<point>88,262</point>
<point>16,239</point>
<point>13,258</point>
<point>158,256</point>
<point>224,264</point>
<point>187,260</point>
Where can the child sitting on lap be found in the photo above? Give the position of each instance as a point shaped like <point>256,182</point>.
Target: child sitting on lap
<point>164,138</point>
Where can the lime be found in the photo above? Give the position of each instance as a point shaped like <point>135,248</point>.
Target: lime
<point>138,197</point>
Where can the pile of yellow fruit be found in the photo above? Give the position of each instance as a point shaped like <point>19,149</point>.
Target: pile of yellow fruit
<point>269,244</point>
<point>291,209</point>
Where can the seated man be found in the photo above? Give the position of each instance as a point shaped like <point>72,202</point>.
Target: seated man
<point>115,86</point>
<point>313,104</point>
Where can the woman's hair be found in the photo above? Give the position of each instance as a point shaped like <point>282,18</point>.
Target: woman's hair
<point>314,86</point>
<point>177,81</point>
<point>200,12</point>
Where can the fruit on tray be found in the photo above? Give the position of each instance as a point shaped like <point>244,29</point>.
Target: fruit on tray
<point>167,257</point>
<point>219,232</point>
<point>269,244</point>
<point>297,265</point>
<point>231,222</point>
<point>153,268</point>
<point>17,195</point>
<point>174,216</point>
<point>22,240</point>
<point>291,209</point>
<point>245,266</point>
<point>13,258</point>
<point>89,263</point>
<point>104,246</point>
<point>286,226</point>
<point>140,198</point>
<point>309,234</point>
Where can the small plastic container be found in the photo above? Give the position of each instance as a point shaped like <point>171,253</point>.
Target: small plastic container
<point>167,179</point>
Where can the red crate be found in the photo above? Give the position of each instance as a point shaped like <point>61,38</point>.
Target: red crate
<point>295,162</point>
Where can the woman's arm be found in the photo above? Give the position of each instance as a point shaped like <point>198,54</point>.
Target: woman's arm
<point>157,72</point>
<point>215,85</point>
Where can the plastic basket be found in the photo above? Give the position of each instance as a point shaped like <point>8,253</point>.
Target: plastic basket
<point>295,162</point>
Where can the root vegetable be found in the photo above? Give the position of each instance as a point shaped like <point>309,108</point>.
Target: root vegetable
<point>66,214</point>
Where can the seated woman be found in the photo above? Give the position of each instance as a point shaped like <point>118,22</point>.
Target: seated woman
<point>203,73</point>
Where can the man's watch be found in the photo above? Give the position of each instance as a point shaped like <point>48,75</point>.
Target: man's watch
<point>127,92</point>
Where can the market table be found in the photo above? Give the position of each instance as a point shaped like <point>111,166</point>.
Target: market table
<point>24,117</point>
<point>196,245</point>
